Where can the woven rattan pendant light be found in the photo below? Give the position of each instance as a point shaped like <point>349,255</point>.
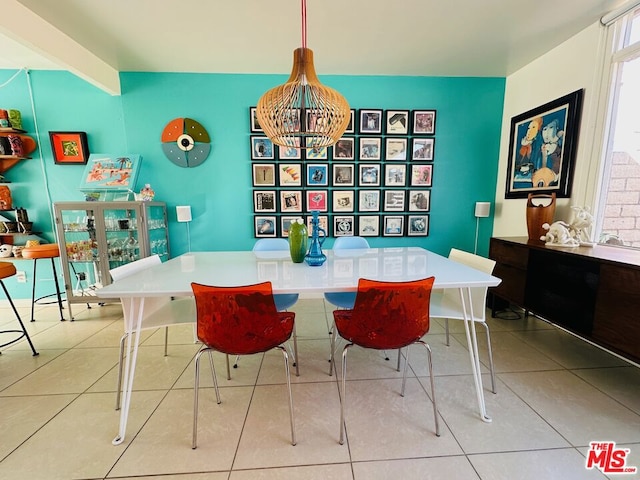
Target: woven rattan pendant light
<point>303,112</point>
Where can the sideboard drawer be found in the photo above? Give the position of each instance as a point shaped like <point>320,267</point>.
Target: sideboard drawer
<point>509,254</point>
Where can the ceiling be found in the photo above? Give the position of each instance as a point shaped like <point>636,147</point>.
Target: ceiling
<point>96,39</point>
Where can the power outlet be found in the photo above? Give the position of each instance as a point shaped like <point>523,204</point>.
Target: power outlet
<point>21,277</point>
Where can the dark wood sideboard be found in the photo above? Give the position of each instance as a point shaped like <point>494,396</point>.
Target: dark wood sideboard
<point>593,292</point>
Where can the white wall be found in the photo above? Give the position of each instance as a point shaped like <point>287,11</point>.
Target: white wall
<point>573,65</point>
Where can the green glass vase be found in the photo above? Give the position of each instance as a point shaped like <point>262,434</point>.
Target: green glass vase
<point>298,239</point>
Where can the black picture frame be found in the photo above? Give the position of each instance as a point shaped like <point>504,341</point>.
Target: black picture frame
<point>344,149</point>
<point>393,225</point>
<point>396,122</point>
<point>418,226</point>
<point>264,226</point>
<point>542,148</point>
<point>370,121</point>
<point>395,148</point>
<point>423,149</point>
<point>344,225</point>
<point>264,175</point>
<point>423,122</point>
<point>264,201</point>
<point>69,148</point>
<point>254,125</point>
<point>262,148</point>
<point>351,128</point>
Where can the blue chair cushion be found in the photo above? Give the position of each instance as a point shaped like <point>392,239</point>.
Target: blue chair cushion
<point>341,299</point>
<point>284,301</point>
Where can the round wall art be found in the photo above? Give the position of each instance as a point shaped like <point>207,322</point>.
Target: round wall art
<point>185,142</point>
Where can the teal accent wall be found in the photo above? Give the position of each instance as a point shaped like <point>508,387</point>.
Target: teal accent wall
<point>469,117</point>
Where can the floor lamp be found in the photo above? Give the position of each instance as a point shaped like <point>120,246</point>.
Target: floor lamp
<point>482,211</point>
<point>183,213</point>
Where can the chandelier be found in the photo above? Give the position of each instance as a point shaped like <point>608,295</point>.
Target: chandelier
<point>303,112</point>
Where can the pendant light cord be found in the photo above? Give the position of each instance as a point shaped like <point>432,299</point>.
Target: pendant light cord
<point>304,23</point>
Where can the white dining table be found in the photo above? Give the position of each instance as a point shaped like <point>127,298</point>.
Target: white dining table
<point>340,273</point>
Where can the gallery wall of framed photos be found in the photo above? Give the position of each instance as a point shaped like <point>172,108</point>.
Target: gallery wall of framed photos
<point>374,182</point>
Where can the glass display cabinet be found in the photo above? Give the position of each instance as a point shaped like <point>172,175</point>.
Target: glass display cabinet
<point>95,237</point>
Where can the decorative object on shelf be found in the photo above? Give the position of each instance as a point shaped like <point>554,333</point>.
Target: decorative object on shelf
<point>4,119</point>
<point>5,198</point>
<point>298,240</point>
<point>10,227</point>
<point>581,225</point>
<point>31,243</point>
<point>542,148</point>
<point>315,257</point>
<point>558,235</point>
<point>185,142</point>
<point>25,227</point>
<point>483,209</point>
<point>15,119</point>
<point>147,193</point>
<point>17,147</point>
<point>16,250</point>
<point>5,251</point>
<point>69,148</point>
<point>539,214</point>
<point>5,146</point>
<point>21,215</point>
<point>303,107</point>
<point>109,172</point>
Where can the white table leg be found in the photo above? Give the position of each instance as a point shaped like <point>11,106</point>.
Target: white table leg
<point>133,313</point>
<point>472,343</point>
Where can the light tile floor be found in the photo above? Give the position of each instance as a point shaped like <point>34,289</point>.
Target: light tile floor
<point>555,394</point>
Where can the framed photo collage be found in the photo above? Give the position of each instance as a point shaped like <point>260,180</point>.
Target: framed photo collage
<point>375,181</point>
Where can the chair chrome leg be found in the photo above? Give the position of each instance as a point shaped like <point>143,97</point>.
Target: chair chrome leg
<point>215,377</point>
<point>288,375</point>
<point>493,372</point>
<point>399,355</point>
<point>446,331</point>
<point>404,371</point>
<point>433,387</point>
<point>296,359</point>
<point>332,342</point>
<point>166,340</point>
<point>196,384</point>
<point>228,370</point>
<point>120,366</point>
<point>235,364</point>
<point>343,398</point>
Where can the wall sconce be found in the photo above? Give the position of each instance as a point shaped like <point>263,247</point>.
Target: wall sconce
<point>483,209</point>
<point>183,213</point>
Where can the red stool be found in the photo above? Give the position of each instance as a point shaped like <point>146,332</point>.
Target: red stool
<point>7,269</point>
<point>48,250</point>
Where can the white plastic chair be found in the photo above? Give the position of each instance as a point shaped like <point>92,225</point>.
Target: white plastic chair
<point>159,312</point>
<point>447,304</point>
<point>345,299</point>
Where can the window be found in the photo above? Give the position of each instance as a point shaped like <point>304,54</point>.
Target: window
<point>618,219</point>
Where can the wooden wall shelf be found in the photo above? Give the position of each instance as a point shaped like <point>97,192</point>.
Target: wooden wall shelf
<point>28,143</point>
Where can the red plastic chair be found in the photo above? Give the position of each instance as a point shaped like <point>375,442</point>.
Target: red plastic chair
<point>386,316</point>
<point>240,320</point>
